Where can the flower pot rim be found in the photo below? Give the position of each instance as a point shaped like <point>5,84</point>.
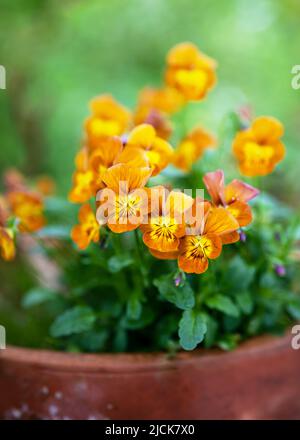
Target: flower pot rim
<point>134,362</point>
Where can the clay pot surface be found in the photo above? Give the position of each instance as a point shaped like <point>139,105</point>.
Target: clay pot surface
<point>259,380</point>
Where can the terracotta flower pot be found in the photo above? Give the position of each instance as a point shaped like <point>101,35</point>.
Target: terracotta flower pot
<point>261,379</point>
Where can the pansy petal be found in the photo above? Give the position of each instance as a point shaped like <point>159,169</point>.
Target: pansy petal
<point>230,237</point>
<point>183,54</point>
<point>241,212</point>
<point>177,203</point>
<point>164,255</point>
<point>79,237</point>
<point>220,221</point>
<point>125,178</point>
<point>142,136</point>
<point>267,129</point>
<point>7,246</point>
<point>191,258</point>
<point>85,213</point>
<point>133,156</point>
<point>161,242</point>
<point>214,183</point>
<point>211,245</point>
<point>238,190</point>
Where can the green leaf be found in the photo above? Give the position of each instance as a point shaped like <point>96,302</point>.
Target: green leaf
<point>223,304</point>
<point>76,320</point>
<point>120,340</point>
<point>37,296</point>
<point>182,296</point>
<point>92,341</point>
<point>245,302</point>
<point>147,316</point>
<point>211,333</point>
<point>192,328</point>
<point>241,275</point>
<point>228,342</point>
<point>134,307</point>
<point>117,263</point>
<point>294,309</point>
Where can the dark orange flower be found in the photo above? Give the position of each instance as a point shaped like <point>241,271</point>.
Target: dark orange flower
<point>166,224</point>
<point>191,148</point>
<point>88,229</point>
<point>259,148</point>
<point>234,196</point>
<point>28,208</point>
<point>189,71</point>
<point>196,250</point>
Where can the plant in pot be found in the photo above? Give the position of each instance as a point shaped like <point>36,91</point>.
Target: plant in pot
<point>150,273</point>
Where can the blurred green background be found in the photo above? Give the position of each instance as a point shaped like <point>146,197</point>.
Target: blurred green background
<point>59,54</point>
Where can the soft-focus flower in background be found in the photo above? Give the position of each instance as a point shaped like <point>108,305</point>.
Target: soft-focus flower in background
<point>190,71</point>
<point>28,208</point>
<point>259,149</point>
<point>191,148</point>
<point>87,230</point>
<point>109,118</point>
<point>7,246</point>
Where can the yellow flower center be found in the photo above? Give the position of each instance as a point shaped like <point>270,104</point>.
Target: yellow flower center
<point>258,155</point>
<point>127,206</point>
<point>191,80</point>
<point>105,127</point>
<point>163,227</point>
<point>195,248</point>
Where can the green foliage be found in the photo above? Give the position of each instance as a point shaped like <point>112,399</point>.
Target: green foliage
<point>114,301</point>
<point>192,328</point>
<point>182,296</point>
<point>79,319</point>
<point>37,296</point>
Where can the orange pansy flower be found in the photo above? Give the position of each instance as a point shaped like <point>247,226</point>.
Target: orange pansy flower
<point>124,202</point>
<point>196,250</point>
<point>234,196</point>
<point>166,224</point>
<point>191,148</point>
<point>259,149</point>
<point>103,157</point>
<point>190,71</point>
<point>88,229</point>
<point>158,151</point>
<point>28,208</point>
<point>83,186</point>
<point>109,118</point>
<point>165,100</point>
